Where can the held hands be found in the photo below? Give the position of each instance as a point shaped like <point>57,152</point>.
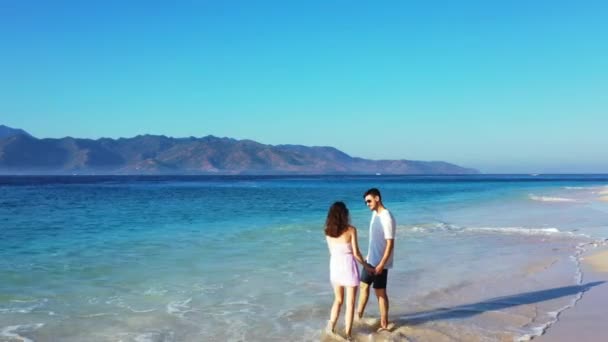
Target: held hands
<point>379,269</point>
<point>369,269</point>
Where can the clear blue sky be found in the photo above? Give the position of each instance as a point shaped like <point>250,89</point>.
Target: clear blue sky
<point>503,86</point>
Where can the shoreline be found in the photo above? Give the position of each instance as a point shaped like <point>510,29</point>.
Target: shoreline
<point>478,261</point>
<point>585,320</point>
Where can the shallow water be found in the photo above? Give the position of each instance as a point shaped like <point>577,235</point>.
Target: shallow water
<point>244,258</point>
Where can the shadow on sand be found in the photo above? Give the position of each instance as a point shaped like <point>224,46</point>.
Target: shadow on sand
<point>498,303</point>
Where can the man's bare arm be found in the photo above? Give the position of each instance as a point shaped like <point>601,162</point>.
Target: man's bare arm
<point>387,254</point>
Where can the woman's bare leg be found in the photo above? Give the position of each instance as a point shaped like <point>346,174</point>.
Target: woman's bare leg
<point>335,308</point>
<point>351,294</point>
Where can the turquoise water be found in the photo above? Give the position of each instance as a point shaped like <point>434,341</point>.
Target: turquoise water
<point>244,258</point>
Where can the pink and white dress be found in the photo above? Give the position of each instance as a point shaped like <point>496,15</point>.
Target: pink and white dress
<point>343,270</point>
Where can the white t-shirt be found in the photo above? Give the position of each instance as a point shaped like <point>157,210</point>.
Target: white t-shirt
<point>381,228</point>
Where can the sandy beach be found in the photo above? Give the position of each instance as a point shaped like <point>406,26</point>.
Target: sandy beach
<point>603,195</point>
<point>586,322</point>
<point>479,259</point>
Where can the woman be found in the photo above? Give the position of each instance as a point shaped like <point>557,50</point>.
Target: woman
<point>342,243</point>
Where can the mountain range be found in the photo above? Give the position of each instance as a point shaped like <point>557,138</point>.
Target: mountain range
<point>22,153</point>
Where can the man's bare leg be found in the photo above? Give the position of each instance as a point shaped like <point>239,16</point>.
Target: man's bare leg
<point>363,297</point>
<point>383,307</point>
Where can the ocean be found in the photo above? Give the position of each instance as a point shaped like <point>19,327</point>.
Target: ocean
<point>244,258</point>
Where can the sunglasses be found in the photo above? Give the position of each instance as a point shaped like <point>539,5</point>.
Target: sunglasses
<point>368,201</point>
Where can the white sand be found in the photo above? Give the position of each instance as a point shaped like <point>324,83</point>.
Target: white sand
<point>587,320</point>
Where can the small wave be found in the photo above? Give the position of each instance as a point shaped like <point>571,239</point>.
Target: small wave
<point>101,314</point>
<point>155,292</point>
<point>146,337</point>
<point>14,331</point>
<point>536,331</point>
<point>553,199</point>
<point>154,336</point>
<point>431,227</point>
<point>140,310</point>
<point>25,309</point>
<point>24,300</point>
<point>179,308</point>
<point>149,337</point>
<point>445,227</point>
<point>115,300</point>
<point>208,287</point>
<point>120,302</point>
<point>517,230</point>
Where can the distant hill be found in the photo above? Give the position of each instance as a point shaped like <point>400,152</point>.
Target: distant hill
<point>20,153</point>
<point>6,131</point>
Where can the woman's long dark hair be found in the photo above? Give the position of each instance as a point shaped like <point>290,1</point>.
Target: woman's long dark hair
<point>337,221</point>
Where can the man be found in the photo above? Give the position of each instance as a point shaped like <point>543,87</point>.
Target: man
<point>379,255</point>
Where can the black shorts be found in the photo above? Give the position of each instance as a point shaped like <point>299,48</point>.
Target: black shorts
<point>379,280</point>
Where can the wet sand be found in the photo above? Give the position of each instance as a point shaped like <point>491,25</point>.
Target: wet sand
<point>586,322</point>
<point>603,195</point>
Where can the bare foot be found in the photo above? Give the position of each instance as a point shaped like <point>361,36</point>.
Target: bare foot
<point>389,327</point>
<point>330,329</point>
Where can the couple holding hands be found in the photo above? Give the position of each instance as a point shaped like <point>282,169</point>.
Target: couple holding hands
<point>344,250</point>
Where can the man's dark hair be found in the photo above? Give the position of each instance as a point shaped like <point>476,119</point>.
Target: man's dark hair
<point>373,192</point>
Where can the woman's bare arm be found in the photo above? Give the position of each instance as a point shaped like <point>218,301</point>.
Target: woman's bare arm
<point>355,244</point>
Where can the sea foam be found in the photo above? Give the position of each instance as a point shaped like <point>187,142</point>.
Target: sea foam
<point>553,199</point>
<point>445,227</point>
<point>179,308</point>
<point>12,331</point>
